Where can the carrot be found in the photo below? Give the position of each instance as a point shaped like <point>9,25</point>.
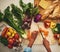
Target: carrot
<point>28,35</point>
<point>46,33</point>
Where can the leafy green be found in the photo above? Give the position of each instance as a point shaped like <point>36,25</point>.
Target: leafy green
<point>4,41</point>
<point>1,16</point>
<point>29,9</point>
<point>23,6</point>
<point>17,13</point>
<point>8,18</point>
<point>35,11</point>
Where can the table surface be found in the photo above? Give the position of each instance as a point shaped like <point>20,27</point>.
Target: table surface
<point>36,47</point>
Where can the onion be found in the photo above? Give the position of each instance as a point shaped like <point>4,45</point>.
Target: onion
<point>37,18</point>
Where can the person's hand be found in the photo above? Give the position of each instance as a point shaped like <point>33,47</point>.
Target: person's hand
<point>46,45</point>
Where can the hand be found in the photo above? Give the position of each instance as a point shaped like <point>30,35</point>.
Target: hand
<point>46,45</point>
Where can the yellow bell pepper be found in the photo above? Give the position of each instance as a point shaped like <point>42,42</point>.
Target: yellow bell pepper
<point>52,25</point>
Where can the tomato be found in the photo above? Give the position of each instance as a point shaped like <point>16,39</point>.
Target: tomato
<point>16,36</point>
<point>10,46</point>
<point>10,41</point>
<point>56,36</point>
<point>47,24</point>
<point>14,39</point>
<point>4,31</point>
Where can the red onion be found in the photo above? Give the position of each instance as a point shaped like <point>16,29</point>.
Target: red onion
<point>37,18</point>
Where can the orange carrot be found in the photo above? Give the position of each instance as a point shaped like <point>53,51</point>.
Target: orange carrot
<point>28,35</point>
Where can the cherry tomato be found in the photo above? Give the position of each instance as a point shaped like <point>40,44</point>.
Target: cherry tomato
<point>10,46</point>
<point>56,36</point>
<point>10,41</point>
<point>14,39</point>
<point>16,36</point>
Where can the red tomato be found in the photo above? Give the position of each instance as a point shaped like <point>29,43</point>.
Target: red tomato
<point>47,24</point>
<point>56,36</point>
<point>10,46</point>
<point>14,39</point>
<point>10,41</point>
<point>4,31</point>
<point>16,36</point>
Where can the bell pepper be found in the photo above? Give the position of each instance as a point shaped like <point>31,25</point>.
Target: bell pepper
<point>47,24</point>
<point>52,25</point>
